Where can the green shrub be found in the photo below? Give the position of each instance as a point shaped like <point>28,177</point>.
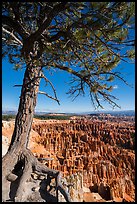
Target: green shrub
<point>52,117</point>
<point>8,117</point>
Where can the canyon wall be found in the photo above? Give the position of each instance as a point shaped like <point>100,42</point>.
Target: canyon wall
<point>102,153</point>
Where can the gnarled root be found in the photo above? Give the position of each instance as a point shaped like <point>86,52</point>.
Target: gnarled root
<point>22,184</point>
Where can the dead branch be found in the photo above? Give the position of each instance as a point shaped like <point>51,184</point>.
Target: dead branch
<point>55,99</point>
<point>47,80</point>
<point>6,20</point>
<point>11,34</point>
<point>17,85</point>
<point>108,97</point>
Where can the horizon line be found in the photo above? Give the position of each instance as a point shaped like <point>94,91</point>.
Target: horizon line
<point>42,111</point>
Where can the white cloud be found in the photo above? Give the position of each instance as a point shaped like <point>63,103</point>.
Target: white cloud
<point>115,87</point>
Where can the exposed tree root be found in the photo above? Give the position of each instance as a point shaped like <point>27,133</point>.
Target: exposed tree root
<point>21,174</point>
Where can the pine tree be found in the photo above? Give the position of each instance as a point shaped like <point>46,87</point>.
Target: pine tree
<point>85,39</point>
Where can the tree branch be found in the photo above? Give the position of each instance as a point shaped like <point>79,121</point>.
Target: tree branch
<point>88,81</point>
<point>11,34</point>
<point>17,85</point>
<point>57,36</point>
<point>107,97</point>
<point>116,74</point>
<point>48,81</point>
<point>55,99</point>
<point>71,71</point>
<point>109,49</point>
<point>43,76</point>
<point>15,7</point>
<point>6,20</point>
<point>56,9</point>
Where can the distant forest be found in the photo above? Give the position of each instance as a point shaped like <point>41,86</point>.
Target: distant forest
<point>41,117</point>
<point>8,117</point>
<point>54,117</point>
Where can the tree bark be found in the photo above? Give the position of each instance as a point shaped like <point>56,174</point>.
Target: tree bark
<point>23,122</point>
<point>19,162</point>
<point>27,105</point>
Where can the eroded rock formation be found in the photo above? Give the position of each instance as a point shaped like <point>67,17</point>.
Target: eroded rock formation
<point>103,153</point>
<point>93,154</point>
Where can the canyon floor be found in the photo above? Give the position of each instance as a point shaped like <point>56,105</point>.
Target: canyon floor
<point>96,158</point>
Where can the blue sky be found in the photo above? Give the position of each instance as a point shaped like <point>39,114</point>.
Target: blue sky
<point>10,94</point>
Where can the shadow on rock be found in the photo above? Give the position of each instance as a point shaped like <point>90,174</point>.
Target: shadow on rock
<point>47,192</point>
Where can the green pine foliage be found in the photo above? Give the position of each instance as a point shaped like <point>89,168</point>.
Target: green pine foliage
<point>86,39</point>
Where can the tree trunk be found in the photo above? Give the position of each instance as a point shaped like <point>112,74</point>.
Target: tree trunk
<point>24,118</point>
<point>19,163</point>
<point>27,105</point>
